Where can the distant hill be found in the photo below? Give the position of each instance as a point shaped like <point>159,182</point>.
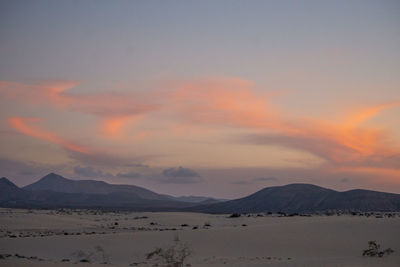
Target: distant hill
<point>55,191</point>
<point>305,198</point>
<point>57,183</point>
<point>9,191</point>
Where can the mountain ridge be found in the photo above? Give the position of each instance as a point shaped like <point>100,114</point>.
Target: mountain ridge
<point>306,198</point>
<point>53,191</point>
<point>40,195</point>
<point>58,183</point>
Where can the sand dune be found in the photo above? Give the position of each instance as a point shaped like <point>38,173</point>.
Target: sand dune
<point>46,237</point>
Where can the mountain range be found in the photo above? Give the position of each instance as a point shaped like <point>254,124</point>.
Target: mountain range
<point>305,198</point>
<point>55,191</point>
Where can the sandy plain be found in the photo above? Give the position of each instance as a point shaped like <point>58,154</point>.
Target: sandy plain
<point>65,237</point>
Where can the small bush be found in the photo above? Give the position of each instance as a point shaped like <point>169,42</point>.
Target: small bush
<point>374,250</point>
<point>174,256</point>
<point>235,215</point>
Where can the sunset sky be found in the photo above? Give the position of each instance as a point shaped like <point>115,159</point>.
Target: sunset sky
<point>214,98</point>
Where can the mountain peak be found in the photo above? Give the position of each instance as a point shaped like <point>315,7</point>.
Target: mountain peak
<point>297,187</point>
<point>51,181</point>
<point>52,176</point>
<point>4,182</point>
<point>306,198</point>
<point>57,183</point>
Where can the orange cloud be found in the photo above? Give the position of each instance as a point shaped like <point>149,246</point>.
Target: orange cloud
<point>115,110</point>
<point>22,126</point>
<point>113,127</point>
<point>367,113</point>
<point>214,104</point>
<point>229,102</point>
<point>234,103</point>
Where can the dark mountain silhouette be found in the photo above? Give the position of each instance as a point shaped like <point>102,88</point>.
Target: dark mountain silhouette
<point>305,198</point>
<point>57,183</point>
<point>9,191</point>
<point>55,191</point>
<point>6,185</point>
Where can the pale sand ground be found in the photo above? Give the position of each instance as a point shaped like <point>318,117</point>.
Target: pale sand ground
<point>265,241</point>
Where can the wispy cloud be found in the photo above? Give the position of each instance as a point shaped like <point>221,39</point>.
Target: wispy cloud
<point>23,125</point>
<point>346,145</point>
<point>114,109</point>
<point>80,153</point>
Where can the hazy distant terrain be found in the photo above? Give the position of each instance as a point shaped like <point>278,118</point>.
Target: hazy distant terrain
<point>55,191</point>
<point>57,183</point>
<point>306,198</point>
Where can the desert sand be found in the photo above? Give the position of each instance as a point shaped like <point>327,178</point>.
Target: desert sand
<point>64,237</point>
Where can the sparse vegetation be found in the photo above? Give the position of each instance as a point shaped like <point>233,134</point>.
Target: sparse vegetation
<point>174,256</point>
<point>374,250</point>
<point>98,253</point>
<point>235,215</point>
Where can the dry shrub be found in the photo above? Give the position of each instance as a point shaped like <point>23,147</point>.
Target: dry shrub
<point>97,255</point>
<point>374,250</point>
<point>173,256</point>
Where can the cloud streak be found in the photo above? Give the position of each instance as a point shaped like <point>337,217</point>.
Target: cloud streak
<point>22,125</point>
<point>114,109</point>
<point>212,104</point>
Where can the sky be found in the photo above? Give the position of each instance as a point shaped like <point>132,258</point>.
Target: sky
<point>212,98</point>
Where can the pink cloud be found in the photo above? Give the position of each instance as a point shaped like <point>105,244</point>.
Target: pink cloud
<point>23,126</point>
<point>210,104</point>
